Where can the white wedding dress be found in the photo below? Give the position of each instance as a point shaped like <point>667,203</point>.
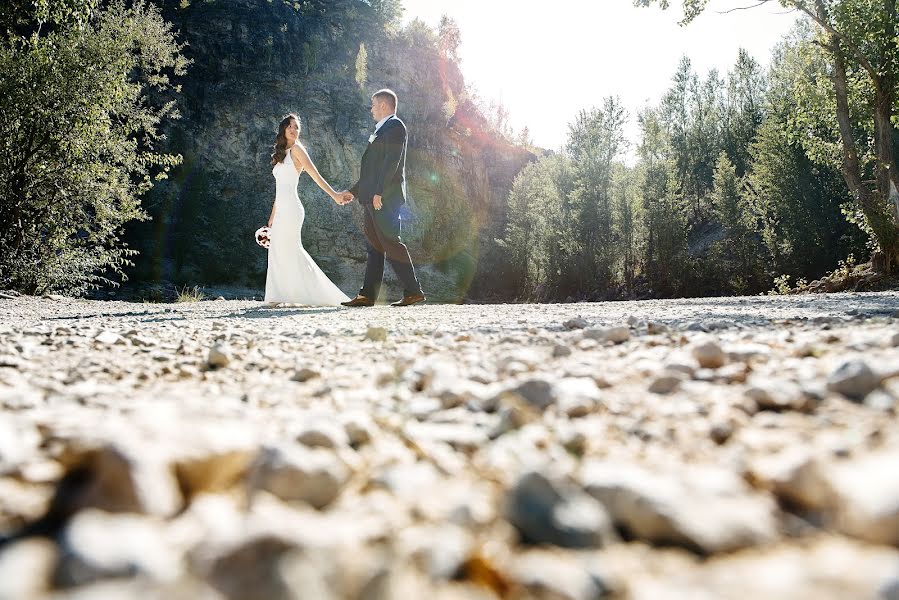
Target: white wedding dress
<point>292,276</point>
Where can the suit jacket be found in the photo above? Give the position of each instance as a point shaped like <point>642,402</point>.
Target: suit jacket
<point>383,169</point>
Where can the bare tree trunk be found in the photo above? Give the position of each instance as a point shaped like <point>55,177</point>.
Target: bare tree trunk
<point>880,220</point>
<point>887,170</point>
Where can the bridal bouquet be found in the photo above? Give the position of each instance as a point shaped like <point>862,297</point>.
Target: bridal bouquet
<point>263,236</point>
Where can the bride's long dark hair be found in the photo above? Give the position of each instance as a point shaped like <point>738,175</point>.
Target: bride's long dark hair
<point>281,141</point>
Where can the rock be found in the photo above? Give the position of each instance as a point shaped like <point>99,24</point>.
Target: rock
<point>21,503</point>
<point>538,393</point>
<point>576,323</point>
<point>359,429</point>
<point>824,567</point>
<point>108,338</point>
<point>297,474</point>
<point>665,384</point>
<point>797,478</point>
<point>706,510</point>
<point>133,478</point>
<point>304,374</point>
<point>407,481</point>
<point>441,378</point>
<point>461,436</point>
<point>439,551</point>
<point>561,351</point>
<point>219,357</point>
<point>779,395</point>
<point>376,334</point>
<point>853,379</point>
<point>615,335</point>
<point>655,328</point>
<point>544,574</point>
<point>26,568</point>
<point>322,433</point>
<point>97,545</point>
<point>577,396</point>
<point>550,511</point>
<point>721,431</point>
<point>253,569</point>
<point>513,414</point>
<point>867,491</point>
<point>880,400</point>
<point>18,442</point>
<point>216,459</point>
<point>894,340</point>
<point>709,355</point>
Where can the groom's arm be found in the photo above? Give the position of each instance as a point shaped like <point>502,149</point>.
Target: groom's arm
<point>394,139</point>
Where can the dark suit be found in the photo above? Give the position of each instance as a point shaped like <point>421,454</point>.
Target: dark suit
<point>383,173</point>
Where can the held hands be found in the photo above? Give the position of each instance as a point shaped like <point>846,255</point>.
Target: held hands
<point>344,197</point>
<point>376,202</point>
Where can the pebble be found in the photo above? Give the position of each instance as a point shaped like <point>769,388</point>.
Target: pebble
<point>219,356</point>
<point>576,323</point>
<point>548,511</point>
<point>665,384</point>
<point>305,374</point>
<point>853,379</point>
<point>299,475</point>
<point>615,335</point>
<point>709,355</point>
<point>707,510</point>
<point>376,334</point>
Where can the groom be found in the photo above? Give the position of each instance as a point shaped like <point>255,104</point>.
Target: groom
<point>381,190</point>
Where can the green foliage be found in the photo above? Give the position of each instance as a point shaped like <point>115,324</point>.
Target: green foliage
<point>858,41</point>
<point>80,110</point>
<point>536,239</point>
<point>737,256</point>
<point>564,217</point>
<point>794,184</point>
<point>27,17</point>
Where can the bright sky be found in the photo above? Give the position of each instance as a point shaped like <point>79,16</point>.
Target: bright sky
<point>583,50</point>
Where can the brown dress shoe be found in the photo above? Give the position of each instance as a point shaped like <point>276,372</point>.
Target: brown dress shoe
<point>410,300</point>
<point>359,300</point>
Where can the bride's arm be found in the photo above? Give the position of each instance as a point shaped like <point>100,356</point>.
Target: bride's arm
<point>301,160</point>
<point>271,217</point>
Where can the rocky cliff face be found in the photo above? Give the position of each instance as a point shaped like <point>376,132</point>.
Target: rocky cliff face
<point>255,60</point>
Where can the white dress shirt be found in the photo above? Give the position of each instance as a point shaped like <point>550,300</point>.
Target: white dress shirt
<point>372,137</point>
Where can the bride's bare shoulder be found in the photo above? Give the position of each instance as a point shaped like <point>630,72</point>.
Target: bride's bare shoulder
<point>299,150</point>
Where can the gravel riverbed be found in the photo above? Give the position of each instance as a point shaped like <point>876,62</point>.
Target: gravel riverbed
<point>701,448</point>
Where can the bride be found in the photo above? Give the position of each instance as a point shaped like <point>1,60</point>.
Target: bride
<point>292,276</point>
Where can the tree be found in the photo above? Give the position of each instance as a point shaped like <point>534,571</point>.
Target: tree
<point>665,223</point>
<point>794,183</point>
<point>737,254</point>
<point>859,37</point>
<point>450,38</point>
<point>534,233</point>
<point>80,108</point>
<point>595,141</point>
<point>24,18</point>
<point>744,109</point>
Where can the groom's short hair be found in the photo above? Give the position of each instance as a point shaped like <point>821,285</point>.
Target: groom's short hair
<point>387,95</point>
